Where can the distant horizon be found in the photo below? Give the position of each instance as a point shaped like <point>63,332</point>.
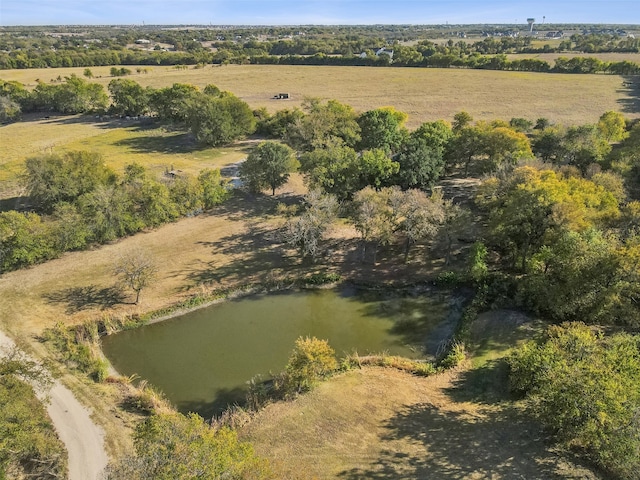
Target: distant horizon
<point>314,12</point>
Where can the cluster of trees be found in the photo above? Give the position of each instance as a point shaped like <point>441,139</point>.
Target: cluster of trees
<point>574,241</point>
<point>81,201</point>
<point>213,116</point>
<point>29,446</point>
<point>407,57</point>
<point>25,49</point>
<point>583,386</point>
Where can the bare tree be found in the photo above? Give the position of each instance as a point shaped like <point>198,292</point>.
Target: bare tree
<point>136,271</point>
<point>417,216</point>
<point>307,230</point>
<point>374,218</point>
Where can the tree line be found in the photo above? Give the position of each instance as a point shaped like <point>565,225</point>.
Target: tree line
<point>78,201</point>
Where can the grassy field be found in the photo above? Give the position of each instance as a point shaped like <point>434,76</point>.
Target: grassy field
<point>235,244</point>
<point>384,424</point>
<point>120,142</point>
<point>425,94</point>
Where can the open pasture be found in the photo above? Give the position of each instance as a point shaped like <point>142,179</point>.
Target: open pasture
<point>120,142</point>
<point>424,93</point>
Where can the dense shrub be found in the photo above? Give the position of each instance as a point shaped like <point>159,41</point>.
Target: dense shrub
<point>310,361</point>
<point>585,387</point>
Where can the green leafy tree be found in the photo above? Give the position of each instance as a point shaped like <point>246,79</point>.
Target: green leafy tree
<point>612,126</point>
<point>110,213</point>
<point>24,240</point>
<point>268,165</point>
<point>10,110</point>
<point>324,125</point>
<point>53,178</point>
<point>529,207</point>
<point>128,97</point>
<point>171,446</point>
<point>172,103</point>
<point>382,129</point>
<point>70,231</point>
<point>420,164</point>
<point>461,120</point>
<point>215,189</point>
<point>585,145</point>
<point>376,168</point>
<point>583,386</point>
<point>29,447</point>
<point>217,121</point>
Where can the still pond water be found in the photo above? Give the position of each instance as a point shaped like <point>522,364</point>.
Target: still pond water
<point>203,359</point>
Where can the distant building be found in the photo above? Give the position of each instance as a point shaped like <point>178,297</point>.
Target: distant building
<point>143,41</point>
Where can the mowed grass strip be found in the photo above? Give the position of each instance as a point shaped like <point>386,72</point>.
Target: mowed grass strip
<point>426,94</point>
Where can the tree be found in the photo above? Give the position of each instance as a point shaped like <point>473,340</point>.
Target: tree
<point>29,447</point>
<point>268,165</point>
<point>461,120</point>
<point>306,231</point>
<point>329,124</point>
<point>530,207</point>
<point>53,178</point>
<point>416,216</point>
<point>382,129</point>
<point>585,145</point>
<point>215,189</point>
<point>373,218</point>
<point>612,126</point>
<point>583,386</point>
<point>88,73</point>
<point>178,447</point>
<point>10,110</point>
<point>136,270</point>
<point>376,168</point>
<point>219,120</point>
<point>24,240</point>
<point>129,97</point>
<point>420,164</point>
<point>172,103</point>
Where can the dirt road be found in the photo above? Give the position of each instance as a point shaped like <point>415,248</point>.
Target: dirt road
<point>72,421</point>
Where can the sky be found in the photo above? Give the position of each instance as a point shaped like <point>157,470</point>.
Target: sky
<point>316,12</point>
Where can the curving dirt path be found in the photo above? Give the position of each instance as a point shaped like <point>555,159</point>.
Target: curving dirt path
<point>83,439</point>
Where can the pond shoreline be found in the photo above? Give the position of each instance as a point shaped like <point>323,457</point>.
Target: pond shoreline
<point>218,297</point>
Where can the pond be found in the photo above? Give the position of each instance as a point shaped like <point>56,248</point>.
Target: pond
<point>202,360</point>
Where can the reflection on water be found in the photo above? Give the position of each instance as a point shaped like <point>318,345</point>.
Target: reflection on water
<point>203,359</point>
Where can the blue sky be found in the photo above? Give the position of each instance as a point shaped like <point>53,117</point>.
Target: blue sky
<point>288,12</point>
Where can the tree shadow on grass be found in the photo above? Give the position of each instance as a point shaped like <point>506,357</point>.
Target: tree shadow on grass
<point>488,384</point>
<point>77,299</point>
<point>252,253</point>
<point>631,89</point>
<point>173,143</point>
<point>490,443</point>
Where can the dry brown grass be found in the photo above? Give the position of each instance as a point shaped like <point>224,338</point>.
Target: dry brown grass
<point>424,93</point>
<point>384,424</point>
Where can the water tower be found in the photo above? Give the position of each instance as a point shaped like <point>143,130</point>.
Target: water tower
<point>531,21</point>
